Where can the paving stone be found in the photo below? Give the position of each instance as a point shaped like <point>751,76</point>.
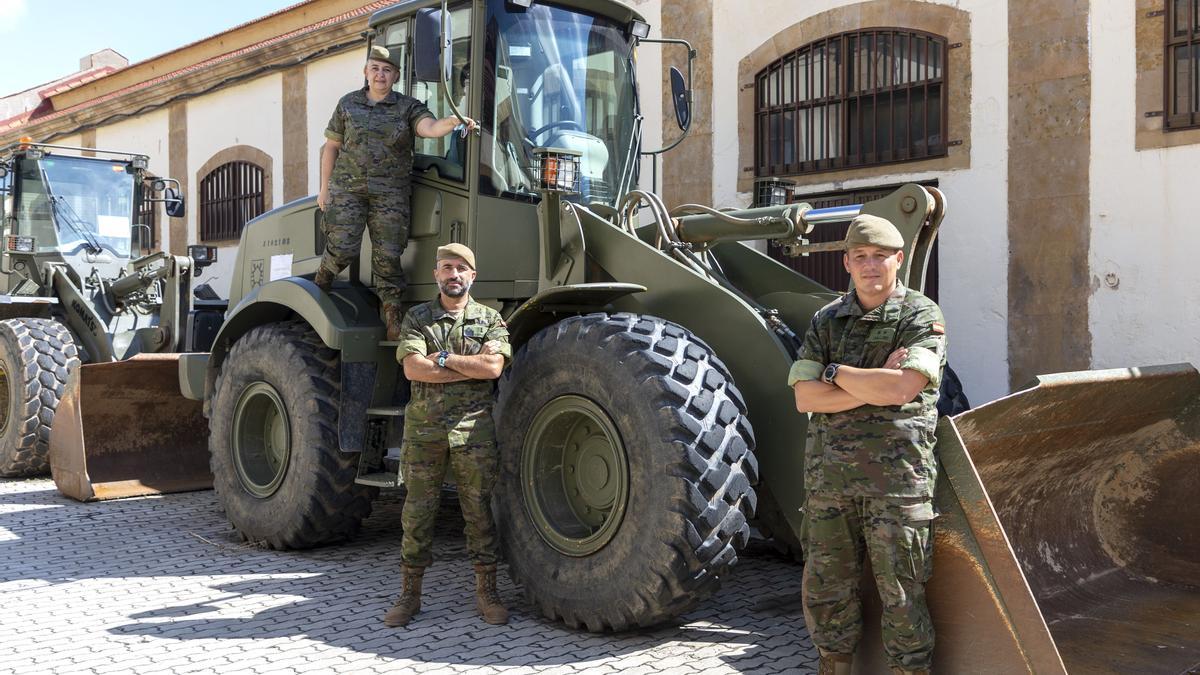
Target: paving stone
<point>164,585</point>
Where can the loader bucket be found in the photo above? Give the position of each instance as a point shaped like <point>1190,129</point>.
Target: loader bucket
<point>1069,534</point>
<point>122,430</point>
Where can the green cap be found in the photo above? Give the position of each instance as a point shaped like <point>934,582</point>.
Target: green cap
<point>379,53</point>
<point>456,251</point>
<point>868,230</point>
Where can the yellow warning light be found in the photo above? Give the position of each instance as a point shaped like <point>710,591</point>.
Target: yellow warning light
<point>25,142</point>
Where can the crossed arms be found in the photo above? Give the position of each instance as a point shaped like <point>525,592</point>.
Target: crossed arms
<point>486,365</point>
<point>886,386</point>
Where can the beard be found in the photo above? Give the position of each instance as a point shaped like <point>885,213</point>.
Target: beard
<point>457,290</point>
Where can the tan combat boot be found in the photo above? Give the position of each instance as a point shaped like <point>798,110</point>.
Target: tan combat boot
<point>324,279</point>
<point>392,316</point>
<point>487,600</point>
<point>410,599</point>
<point>835,664</point>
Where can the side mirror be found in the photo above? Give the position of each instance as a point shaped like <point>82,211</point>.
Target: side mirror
<point>173,203</point>
<point>679,97</point>
<point>202,256</point>
<point>427,49</point>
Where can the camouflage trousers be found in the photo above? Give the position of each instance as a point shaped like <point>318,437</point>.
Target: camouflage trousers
<point>386,216</point>
<point>897,534</point>
<point>423,465</point>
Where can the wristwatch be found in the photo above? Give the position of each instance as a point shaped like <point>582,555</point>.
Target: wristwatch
<point>442,358</point>
<point>830,373</point>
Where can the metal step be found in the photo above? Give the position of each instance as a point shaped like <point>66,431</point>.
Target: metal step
<point>386,412</point>
<point>380,479</point>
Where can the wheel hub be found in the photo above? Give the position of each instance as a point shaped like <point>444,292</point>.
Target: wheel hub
<point>575,475</point>
<point>261,439</point>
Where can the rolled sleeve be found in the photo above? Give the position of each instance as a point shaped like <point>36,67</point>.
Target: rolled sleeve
<point>498,331</point>
<point>412,340</point>
<point>804,370</point>
<point>418,112</point>
<point>924,361</point>
<point>336,129</point>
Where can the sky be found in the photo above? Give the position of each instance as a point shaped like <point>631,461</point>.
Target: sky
<point>44,39</point>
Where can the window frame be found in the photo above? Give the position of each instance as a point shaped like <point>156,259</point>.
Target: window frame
<point>841,98</point>
<point>1190,38</point>
<point>147,214</point>
<point>228,228</point>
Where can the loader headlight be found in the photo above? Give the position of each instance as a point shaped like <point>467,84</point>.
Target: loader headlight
<point>17,244</point>
<point>773,191</point>
<point>140,162</point>
<point>557,169</point>
<point>158,185</point>
<point>639,29</point>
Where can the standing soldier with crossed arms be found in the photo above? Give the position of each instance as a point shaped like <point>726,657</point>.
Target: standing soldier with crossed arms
<point>869,372</point>
<point>452,348</point>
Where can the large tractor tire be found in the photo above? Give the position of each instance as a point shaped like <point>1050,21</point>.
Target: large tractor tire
<point>627,467</point>
<point>35,357</point>
<point>277,468</point>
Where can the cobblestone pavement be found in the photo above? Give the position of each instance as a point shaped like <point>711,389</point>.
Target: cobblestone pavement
<point>163,585</point>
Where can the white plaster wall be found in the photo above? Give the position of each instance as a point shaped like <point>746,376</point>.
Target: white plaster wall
<point>974,236</point>
<point>328,80</point>
<point>1143,218</point>
<point>247,114</point>
<point>147,134</point>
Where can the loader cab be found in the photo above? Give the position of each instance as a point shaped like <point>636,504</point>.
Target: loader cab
<point>533,74</point>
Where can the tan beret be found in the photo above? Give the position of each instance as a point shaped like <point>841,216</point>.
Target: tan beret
<point>866,230</point>
<point>456,251</point>
<point>381,53</point>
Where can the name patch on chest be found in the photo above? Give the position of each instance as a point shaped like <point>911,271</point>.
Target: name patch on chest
<point>475,331</point>
<point>882,334</point>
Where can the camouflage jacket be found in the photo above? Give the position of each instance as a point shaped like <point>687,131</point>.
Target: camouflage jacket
<point>377,141</point>
<point>461,410</point>
<point>874,450</point>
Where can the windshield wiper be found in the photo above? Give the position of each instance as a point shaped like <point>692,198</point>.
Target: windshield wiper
<point>64,213</point>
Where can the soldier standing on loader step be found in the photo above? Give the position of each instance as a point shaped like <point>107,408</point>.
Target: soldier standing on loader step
<point>451,348</point>
<point>869,372</point>
<point>366,164</point>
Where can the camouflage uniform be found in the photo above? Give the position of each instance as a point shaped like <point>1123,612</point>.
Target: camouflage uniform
<point>370,185</point>
<point>869,475</point>
<point>449,423</point>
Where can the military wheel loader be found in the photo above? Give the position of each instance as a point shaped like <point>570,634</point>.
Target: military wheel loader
<point>91,327</point>
<point>644,423</point>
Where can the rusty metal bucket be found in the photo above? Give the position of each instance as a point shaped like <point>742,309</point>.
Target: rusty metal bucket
<point>1069,539</point>
<point>123,430</point>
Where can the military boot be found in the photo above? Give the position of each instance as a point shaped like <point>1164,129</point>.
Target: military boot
<point>901,671</point>
<point>835,664</point>
<point>392,316</point>
<point>410,599</point>
<point>487,600</point>
<point>324,279</point>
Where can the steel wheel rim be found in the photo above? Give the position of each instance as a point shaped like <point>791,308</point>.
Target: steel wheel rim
<point>574,475</point>
<point>262,440</point>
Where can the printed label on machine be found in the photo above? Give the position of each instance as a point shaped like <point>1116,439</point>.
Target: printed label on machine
<point>281,266</point>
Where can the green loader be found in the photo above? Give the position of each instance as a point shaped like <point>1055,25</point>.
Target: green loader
<point>92,324</point>
<point>645,424</point>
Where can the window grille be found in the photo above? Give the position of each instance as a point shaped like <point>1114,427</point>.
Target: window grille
<point>852,100</point>
<point>230,195</point>
<point>147,215</point>
<point>1182,79</point>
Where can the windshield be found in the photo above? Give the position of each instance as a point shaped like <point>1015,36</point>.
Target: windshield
<point>69,203</point>
<point>558,79</point>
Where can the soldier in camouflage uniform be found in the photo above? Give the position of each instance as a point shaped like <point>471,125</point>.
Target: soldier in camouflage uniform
<point>869,372</point>
<point>452,349</point>
<point>366,166</point>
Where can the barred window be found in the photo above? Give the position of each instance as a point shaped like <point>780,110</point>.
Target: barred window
<point>852,100</point>
<point>1182,90</point>
<point>230,195</point>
